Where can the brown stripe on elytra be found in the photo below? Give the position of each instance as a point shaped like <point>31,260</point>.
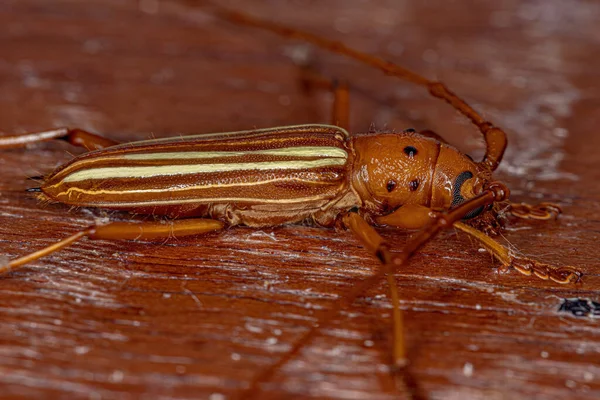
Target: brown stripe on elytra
<point>302,130</point>
<point>236,145</point>
<point>264,140</point>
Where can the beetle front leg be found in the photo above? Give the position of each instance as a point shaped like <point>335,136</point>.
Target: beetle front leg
<point>414,217</point>
<point>542,211</point>
<point>123,231</point>
<point>524,265</point>
<point>76,137</point>
<point>409,216</point>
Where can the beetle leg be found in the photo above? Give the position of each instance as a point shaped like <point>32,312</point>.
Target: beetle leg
<point>409,216</point>
<point>524,265</point>
<point>76,137</point>
<point>376,245</point>
<point>542,211</point>
<point>123,231</point>
<point>341,104</point>
<point>340,115</point>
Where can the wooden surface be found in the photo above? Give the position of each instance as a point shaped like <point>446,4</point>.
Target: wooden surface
<point>200,317</point>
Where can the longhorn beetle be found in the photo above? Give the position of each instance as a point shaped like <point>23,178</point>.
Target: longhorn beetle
<point>285,175</point>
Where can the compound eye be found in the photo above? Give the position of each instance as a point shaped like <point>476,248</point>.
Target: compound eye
<point>457,197</point>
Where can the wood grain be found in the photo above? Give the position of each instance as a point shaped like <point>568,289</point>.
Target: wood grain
<point>199,318</point>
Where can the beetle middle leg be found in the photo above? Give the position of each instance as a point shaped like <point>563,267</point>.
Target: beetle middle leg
<point>123,231</point>
<point>76,137</point>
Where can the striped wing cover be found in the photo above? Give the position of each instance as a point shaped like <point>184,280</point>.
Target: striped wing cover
<point>280,168</point>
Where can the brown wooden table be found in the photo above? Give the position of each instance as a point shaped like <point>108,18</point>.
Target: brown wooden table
<point>200,317</point>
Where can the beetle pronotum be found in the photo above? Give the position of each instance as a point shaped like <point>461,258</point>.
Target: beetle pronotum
<point>311,172</point>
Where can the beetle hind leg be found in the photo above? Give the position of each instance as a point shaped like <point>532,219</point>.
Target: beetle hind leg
<point>123,231</point>
<point>76,137</point>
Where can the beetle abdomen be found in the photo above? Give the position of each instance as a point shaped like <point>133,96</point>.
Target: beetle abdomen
<point>277,170</point>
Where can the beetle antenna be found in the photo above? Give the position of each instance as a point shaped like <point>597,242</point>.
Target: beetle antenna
<point>496,191</point>
<point>495,137</point>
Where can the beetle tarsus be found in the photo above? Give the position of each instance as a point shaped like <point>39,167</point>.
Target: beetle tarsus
<point>562,275</point>
<point>542,211</point>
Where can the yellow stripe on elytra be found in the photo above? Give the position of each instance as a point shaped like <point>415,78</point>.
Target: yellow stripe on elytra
<point>302,151</point>
<point>174,170</point>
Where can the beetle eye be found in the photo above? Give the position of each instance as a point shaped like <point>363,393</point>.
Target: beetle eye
<point>457,197</point>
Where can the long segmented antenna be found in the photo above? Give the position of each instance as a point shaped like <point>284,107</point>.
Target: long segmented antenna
<point>495,192</point>
<point>495,138</point>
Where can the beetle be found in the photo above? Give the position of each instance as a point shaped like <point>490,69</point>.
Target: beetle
<point>312,172</point>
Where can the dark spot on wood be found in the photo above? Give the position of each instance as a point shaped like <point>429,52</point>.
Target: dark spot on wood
<point>410,151</point>
<point>410,130</point>
<point>413,185</point>
<point>391,185</point>
<point>580,307</point>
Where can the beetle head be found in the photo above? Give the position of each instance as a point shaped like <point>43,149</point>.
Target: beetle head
<point>392,170</point>
<point>457,178</point>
